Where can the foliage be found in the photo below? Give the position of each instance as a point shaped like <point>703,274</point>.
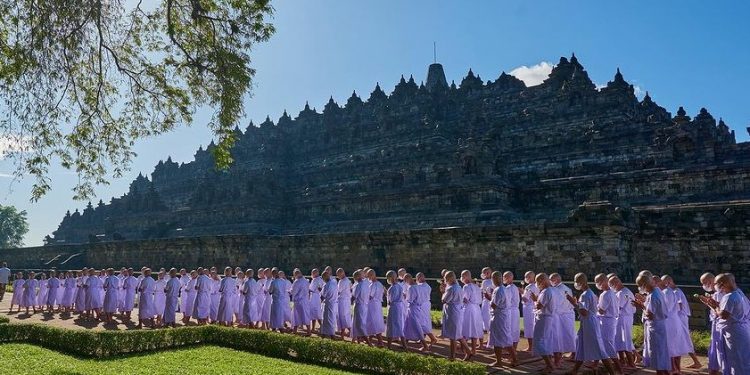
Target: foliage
<point>701,338</point>
<point>4,320</point>
<point>13,227</point>
<point>107,73</point>
<point>30,359</point>
<point>102,344</point>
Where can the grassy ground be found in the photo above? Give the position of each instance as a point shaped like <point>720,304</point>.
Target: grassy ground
<point>30,359</point>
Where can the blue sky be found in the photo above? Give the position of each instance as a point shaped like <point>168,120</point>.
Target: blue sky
<point>690,53</point>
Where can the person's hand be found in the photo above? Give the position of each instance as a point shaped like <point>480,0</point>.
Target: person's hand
<point>571,299</point>
<point>534,297</point>
<point>649,315</point>
<point>601,311</point>
<point>639,304</point>
<point>539,306</point>
<point>583,312</point>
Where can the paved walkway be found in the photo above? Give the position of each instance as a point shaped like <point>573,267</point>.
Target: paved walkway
<point>529,364</point>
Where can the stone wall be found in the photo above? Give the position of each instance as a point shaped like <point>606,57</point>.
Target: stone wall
<point>598,237</point>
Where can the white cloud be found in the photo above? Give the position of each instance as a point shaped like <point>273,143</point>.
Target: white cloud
<point>639,92</point>
<point>533,75</point>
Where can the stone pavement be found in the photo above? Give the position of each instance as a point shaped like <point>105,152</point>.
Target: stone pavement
<point>529,364</point>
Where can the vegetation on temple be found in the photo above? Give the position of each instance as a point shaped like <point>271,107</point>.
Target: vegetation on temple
<point>13,227</point>
<point>108,73</point>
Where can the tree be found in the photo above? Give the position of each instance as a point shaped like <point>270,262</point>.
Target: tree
<point>82,80</point>
<point>13,227</point>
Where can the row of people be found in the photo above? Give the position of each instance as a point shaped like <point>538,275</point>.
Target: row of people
<point>470,310</point>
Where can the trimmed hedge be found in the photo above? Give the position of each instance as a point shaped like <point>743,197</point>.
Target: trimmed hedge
<point>701,338</point>
<point>329,353</point>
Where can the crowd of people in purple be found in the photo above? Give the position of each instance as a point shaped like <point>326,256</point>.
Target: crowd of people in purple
<point>476,314</point>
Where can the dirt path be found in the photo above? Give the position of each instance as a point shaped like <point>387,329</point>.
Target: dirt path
<point>529,364</point>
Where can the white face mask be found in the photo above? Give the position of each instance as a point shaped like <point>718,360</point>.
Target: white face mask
<point>578,286</point>
<point>708,288</point>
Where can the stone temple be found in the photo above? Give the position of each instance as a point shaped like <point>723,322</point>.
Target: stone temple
<point>560,175</point>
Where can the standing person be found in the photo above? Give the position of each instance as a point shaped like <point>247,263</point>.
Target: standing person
<point>545,320</point>
<point>60,290</point>
<point>172,292</point>
<point>202,306</point>
<point>279,301</point>
<point>225,310</point>
<point>288,295</point>
<point>716,347</point>
<point>111,295</point>
<point>18,289</point>
<point>425,293</point>
<point>185,278</point>
<point>501,337</point>
<point>129,286</point>
<point>530,291</point>
<point>624,329</point>
<point>250,293</point>
<point>29,293</point>
<point>69,294</point>
<point>453,316</point>
<point>361,295</point>
<point>400,275</point>
<point>41,296</point>
<point>80,295</point>
<point>655,313</point>
<point>514,301</point>
<point>567,323</point>
<point>677,347</point>
<point>239,302</point>
<point>146,308</point>
<point>395,324</point>
<point>4,278</point>
<point>608,311</point>
<point>472,316</point>
<point>267,298</point>
<point>160,296</point>
<point>486,288</point>
<point>734,324</point>
<point>590,344</point>
<point>216,297</point>
<point>53,286</point>
<point>121,290</point>
<point>316,309</point>
<point>683,315</point>
<point>344,286</point>
<point>414,329</point>
<point>330,295</point>
<point>189,296</point>
<point>94,300</point>
<point>375,322</point>
<point>301,298</point>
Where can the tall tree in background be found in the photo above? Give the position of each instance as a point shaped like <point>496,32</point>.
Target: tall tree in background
<point>82,80</point>
<point>13,227</point>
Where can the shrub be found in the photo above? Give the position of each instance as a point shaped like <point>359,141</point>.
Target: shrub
<point>4,320</point>
<point>701,338</point>
<point>304,349</point>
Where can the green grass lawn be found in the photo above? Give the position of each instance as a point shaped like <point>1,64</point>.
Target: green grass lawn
<point>30,359</point>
